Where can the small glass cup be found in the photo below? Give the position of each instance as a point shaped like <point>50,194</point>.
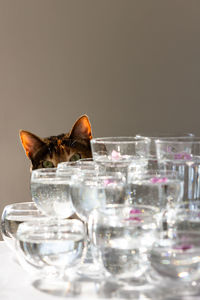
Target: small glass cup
<point>114,154</point>
<point>161,189</point>
<point>50,189</point>
<point>175,262</point>
<point>55,248</point>
<point>184,216</point>
<point>152,157</point>
<point>15,214</point>
<point>183,156</point>
<point>121,237</point>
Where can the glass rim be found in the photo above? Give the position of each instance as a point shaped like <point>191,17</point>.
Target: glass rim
<point>187,236</point>
<point>45,170</point>
<point>120,140</point>
<point>122,205</point>
<point>48,223</point>
<point>163,135</point>
<point>65,164</point>
<point>178,140</point>
<point>156,173</point>
<point>51,172</point>
<point>13,205</point>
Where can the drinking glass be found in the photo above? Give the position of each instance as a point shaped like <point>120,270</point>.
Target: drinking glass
<point>161,189</point>
<point>183,156</point>
<point>88,191</point>
<point>184,216</point>
<point>15,214</point>
<point>114,154</point>
<point>175,263</point>
<point>54,248</point>
<point>158,188</point>
<point>152,158</point>
<point>50,189</point>
<point>121,237</point>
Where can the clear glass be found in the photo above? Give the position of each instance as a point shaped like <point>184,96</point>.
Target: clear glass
<point>15,214</point>
<point>185,216</point>
<point>161,189</point>
<point>82,165</point>
<point>156,136</point>
<point>67,165</point>
<point>54,248</point>
<point>175,262</point>
<point>114,154</point>
<point>152,158</point>
<point>50,189</point>
<point>121,238</point>
<point>88,191</point>
<point>183,156</point>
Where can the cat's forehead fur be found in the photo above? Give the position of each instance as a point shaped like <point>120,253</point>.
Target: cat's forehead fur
<point>60,148</point>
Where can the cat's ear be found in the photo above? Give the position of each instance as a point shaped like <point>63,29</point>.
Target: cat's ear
<point>31,143</point>
<point>81,129</point>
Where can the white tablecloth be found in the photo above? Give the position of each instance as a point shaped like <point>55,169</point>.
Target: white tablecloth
<point>15,283</point>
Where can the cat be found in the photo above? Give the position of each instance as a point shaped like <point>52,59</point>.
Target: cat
<point>48,152</point>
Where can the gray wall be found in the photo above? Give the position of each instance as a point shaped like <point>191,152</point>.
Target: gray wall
<point>132,66</point>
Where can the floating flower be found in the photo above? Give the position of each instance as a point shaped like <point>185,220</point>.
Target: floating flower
<point>183,247</point>
<point>115,155</point>
<point>135,211</point>
<point>182,155</point>
<point>131,218</point>
<point>158,180</point>
<point>108,182</point>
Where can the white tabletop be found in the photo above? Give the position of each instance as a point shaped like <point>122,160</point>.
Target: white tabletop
<point>15,284</point>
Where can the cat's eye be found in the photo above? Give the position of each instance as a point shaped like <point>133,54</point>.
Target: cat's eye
<point>47,164</point>
<point>75,157</point>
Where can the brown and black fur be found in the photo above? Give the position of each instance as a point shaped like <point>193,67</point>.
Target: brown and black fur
<point>55,149</point>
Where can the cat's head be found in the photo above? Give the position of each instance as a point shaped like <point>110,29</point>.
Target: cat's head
<point>48,152</point>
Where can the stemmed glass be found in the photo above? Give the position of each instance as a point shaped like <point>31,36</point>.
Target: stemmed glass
<point>88,191</point>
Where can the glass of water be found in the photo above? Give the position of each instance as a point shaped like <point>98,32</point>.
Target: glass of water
<point>175,262</point>
<point>114,154</point>
<point>122,236</point>
<point>88,191</point>
<point>162,189</point>
<point>15,214</point>
<point>54,248</point>
<point>183,156</point>
<point>152,162</point>
<point>50,189</point>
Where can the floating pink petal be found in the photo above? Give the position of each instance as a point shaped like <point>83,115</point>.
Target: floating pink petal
<point>115,155</point>
<point>158,180</point>
<point>133,219</point>
<point>108,181</point>
<point>183,247</point>
<point>182,155</point>
<point>135,211</point>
